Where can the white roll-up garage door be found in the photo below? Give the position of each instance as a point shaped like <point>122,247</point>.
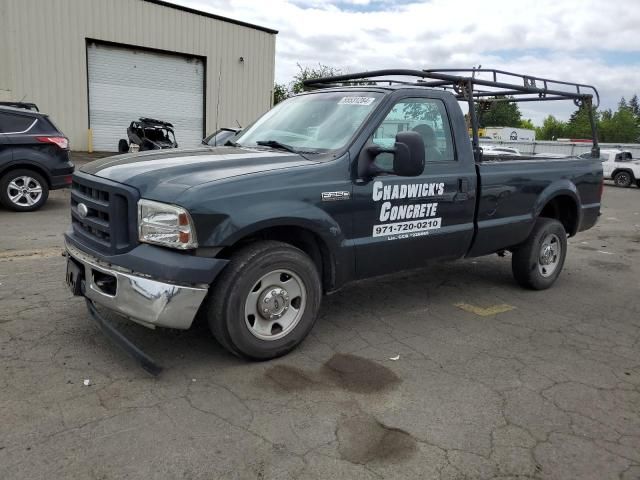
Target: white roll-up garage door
<point>125,84</point>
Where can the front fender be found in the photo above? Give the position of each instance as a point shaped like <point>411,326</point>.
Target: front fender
<point>230,230</point>
<point>308,217</point>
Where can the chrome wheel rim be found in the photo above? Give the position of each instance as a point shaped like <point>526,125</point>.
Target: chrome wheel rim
<point>275,305</point>
<point>623,179</point>
<point>550,252</point>
<point>24,191</point>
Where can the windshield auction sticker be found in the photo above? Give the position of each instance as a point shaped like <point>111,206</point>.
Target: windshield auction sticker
<point>400,219</point>
<point>356,101</point>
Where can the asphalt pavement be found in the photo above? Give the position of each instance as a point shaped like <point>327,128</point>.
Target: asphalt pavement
<point>450,372</point>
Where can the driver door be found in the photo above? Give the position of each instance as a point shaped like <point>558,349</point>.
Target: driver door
<point>403,222</point>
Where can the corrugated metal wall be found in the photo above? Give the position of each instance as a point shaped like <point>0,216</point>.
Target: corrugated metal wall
<point>5,77</point>
<point>44,43</point>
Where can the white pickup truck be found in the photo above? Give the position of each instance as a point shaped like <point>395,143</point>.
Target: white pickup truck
<point>619,166</point>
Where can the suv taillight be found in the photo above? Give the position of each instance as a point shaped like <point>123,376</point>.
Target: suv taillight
<point>61,142</point>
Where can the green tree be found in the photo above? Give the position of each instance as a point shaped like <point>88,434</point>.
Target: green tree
<point>622,103</point>
<point>634,105</point>
<point>527,123</point>
<point>499,114</point>
<point>283,91</point>
<point>605,115</point>
<point>280,93</point>
<point>619,127</point>
<point>551,129</point>
<point>308,73</point>
<point>579,125</point>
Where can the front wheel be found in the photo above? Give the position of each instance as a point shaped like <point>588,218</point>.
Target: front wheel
<point>622,179</point>
<point>538,262</point>
<point>266,300</point>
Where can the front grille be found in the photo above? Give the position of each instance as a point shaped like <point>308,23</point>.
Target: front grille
<point>109,222</point>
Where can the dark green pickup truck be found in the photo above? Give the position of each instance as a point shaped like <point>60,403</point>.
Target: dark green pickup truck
<point>340,183</point>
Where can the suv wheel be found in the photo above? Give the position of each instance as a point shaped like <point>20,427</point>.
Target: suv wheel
<point>266,300</point>
<point>23,190</point>
<point>622,179</point>
<point>538,262</point>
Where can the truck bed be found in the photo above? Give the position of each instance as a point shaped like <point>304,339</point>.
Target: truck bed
<point>513,190</point>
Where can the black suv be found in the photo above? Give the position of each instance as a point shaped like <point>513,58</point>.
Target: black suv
<point>34,158</point>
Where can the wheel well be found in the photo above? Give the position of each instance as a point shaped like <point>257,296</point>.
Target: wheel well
<point>618,170</point>
<point>306,240</point>
<point>564,209</point>
<point>27,166</point>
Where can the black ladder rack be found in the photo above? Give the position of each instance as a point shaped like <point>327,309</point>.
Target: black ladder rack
<point>477,84</point>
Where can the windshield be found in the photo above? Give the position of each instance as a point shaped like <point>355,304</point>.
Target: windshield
<point>315,123</point>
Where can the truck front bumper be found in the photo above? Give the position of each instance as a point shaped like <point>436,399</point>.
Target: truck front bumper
<point>144,300</point>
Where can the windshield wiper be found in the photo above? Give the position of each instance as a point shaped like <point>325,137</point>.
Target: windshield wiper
<point>283,146</point>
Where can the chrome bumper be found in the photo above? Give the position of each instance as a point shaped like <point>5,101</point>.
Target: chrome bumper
<point>143,300</point>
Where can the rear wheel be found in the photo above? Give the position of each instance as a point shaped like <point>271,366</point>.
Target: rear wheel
<point>638,183</point>
<point>266,300</point>
<point>538,262</point>
<point>622,179</point>
<point>123,146</point>
<point>23,190</point>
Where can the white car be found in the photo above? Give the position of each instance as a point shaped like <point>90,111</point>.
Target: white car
<point>619,166</point>
<point>499,151</point>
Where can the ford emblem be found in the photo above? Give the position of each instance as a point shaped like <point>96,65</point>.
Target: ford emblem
<point>83,210</point>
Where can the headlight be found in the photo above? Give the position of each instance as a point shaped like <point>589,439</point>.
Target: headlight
<point>166,225</point>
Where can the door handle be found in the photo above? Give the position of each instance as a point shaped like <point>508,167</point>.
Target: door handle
<point>463,191</point>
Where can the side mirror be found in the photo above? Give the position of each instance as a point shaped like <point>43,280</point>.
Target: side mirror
<point>408,157</point>
<point>408,160</point>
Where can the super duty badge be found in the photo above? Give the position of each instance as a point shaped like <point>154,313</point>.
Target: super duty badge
<point>334,196</point>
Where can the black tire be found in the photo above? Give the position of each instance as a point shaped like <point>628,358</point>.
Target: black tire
<point>638,183</point>
<point>623,179</point>
<point>27,202</point>
<point>123,146</point>
<point>225,306</point>
<point>526,263</point>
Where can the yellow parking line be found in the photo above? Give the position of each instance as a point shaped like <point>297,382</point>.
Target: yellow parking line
<point>485,312</point>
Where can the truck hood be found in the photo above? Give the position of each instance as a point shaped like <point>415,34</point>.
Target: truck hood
<point>167,173</point>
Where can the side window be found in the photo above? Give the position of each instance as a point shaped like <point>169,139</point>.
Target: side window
<point>10,122</point>
<point>427,117</point>
<point>5,121</point>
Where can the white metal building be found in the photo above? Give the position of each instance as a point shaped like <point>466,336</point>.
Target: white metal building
<point>97,65</point>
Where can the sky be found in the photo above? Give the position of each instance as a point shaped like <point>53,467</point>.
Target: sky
<point>584,41</point>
